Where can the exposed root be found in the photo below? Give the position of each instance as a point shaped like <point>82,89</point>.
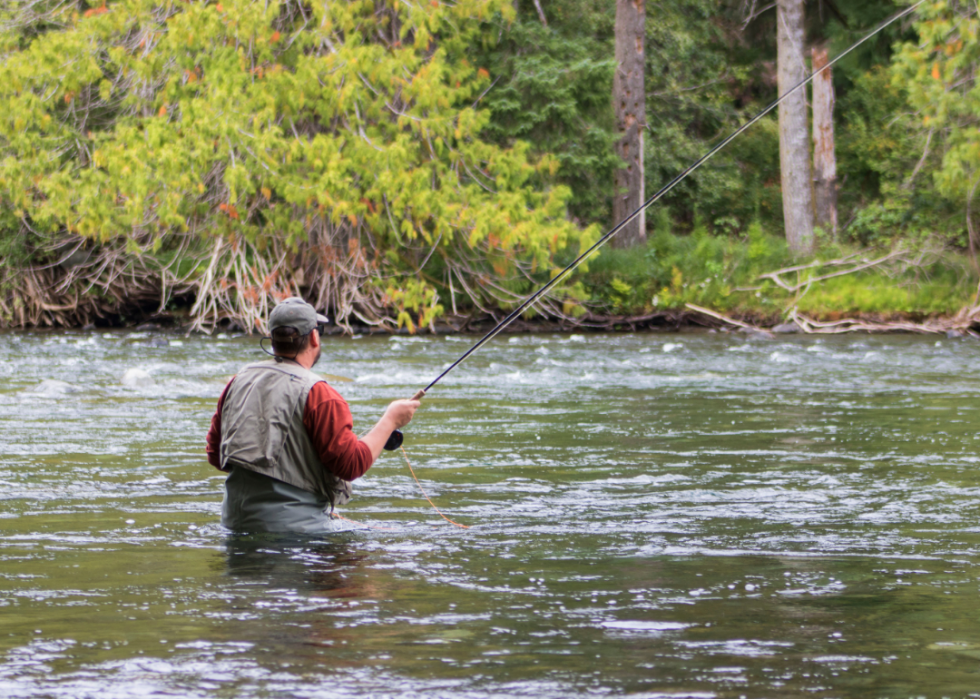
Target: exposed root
<point>83,287</point>
<point>241,285</point>
<point>232,281</point>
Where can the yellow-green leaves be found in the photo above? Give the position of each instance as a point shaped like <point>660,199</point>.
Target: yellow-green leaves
<point>937,71</point>
<point>304,124</point>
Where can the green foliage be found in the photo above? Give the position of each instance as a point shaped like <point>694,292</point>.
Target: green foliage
<point>938,72</point>
<point>418,297</point>
<point>859,16</point>
<point>702,82</point>
<point>15,250</point>
<point>875,144</point>
<point>723,273</point>
<point>888,159</point>
<point>552,89</point>
<point>674,269</point>
<point>269,123</point>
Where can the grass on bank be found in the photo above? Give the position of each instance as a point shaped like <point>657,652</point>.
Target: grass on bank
<point>724,274</point>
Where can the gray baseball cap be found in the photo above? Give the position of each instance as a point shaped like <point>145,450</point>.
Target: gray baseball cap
<point>295,313</point>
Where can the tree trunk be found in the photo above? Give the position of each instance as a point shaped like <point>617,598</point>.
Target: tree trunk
<point>824,161</point>
<point>629,103</point>
<point>541,16</point>
<point>794,144</point>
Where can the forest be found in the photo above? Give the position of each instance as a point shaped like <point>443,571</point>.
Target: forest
<point>409,165</point>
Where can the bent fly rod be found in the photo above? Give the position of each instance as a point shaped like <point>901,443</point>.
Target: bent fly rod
<point>396,438</point>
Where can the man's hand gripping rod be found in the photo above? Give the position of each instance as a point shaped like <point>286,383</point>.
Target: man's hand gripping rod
<point>396,438</point>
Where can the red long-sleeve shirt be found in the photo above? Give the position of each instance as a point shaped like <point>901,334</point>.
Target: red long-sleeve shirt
<point>330,426</point>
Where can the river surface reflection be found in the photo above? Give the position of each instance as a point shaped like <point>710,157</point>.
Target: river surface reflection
<point>700,515</point>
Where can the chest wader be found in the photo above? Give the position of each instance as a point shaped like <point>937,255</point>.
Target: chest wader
<point>277,482</point>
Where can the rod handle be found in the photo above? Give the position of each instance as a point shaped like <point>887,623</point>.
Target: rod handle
<point>396,438</point>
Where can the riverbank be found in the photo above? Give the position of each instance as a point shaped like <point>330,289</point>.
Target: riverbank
<point>696,319</point>
<point>673,282</point>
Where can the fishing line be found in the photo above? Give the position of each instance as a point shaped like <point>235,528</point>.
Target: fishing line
<point>513,315</point>
<point>408,463</point>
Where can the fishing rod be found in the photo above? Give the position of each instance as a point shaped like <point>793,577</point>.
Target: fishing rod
<point>396,438</point>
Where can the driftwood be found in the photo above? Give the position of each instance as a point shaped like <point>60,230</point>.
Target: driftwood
<point>729,321</point>
<point>963,323</point>
<point>966,322</point>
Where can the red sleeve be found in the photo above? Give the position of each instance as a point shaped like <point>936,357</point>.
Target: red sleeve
<point>331,428</point>
<point>214,432</point>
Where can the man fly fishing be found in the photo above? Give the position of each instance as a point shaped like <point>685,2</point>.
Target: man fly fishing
<point>285,437</point>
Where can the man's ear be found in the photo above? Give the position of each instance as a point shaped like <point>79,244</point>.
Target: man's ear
<point>314,339</point>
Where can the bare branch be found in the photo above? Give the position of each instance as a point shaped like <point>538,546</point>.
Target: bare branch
<point>775,276</point>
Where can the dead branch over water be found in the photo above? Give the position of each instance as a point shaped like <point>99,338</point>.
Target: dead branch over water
<point>893,264</point>
<point>851,263</point>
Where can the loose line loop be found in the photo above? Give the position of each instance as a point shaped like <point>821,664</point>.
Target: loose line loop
<point>412,471</point>
<point>337,515</point>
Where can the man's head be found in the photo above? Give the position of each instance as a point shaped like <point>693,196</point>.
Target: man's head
<point>292,324</point>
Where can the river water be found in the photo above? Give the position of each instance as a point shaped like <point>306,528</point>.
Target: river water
<point>695,515</point>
